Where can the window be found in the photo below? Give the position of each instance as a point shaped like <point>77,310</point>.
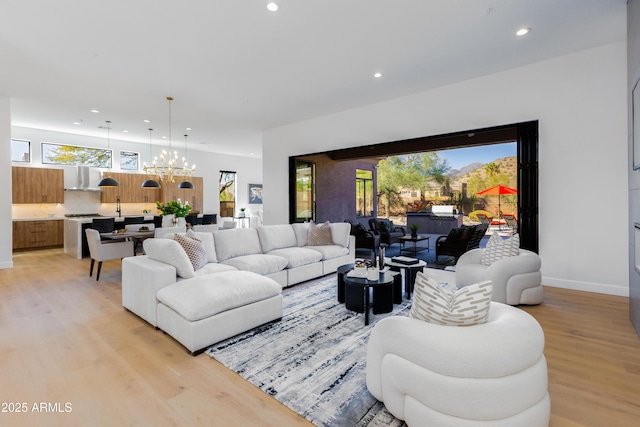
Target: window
<point>364,192</point>
<point>305,192</point>
<point>227,185</point>
<point>20,150</point>
<point>58,154</point>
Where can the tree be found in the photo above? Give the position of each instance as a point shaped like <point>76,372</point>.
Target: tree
<point>411,171</point>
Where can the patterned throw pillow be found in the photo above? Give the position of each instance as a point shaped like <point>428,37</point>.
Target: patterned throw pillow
<point>464,307</point>
<point>319,235</point>
<point>497,248</point>
<point>194,249</point>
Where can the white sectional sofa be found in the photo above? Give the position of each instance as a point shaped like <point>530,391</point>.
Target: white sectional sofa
<point>163,288</point>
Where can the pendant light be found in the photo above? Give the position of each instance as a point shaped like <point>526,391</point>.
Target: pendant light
<point>109,181</point>
<point>150,183</point>
<point>185,185</point>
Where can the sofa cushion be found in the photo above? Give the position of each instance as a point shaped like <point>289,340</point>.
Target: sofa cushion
<point>464,307</point>
<point>206,296</point>
<point>498,248</point>
<point>237,242</point>
<point>194,250</point>
<point>276,237</point>
<point>297,257</point>
<point>301,229</point>
<point>340,232</point>
<point>319,235</point>
<point>330,251</point>
<point>170,252</point>
<point>205,237</point>
<point>258,263</point>
<point>214,267</point>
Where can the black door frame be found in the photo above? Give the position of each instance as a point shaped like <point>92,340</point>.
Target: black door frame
<point>525,134</point>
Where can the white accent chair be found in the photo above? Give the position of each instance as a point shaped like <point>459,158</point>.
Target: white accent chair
<point>104,251</point>
<point>492,374</point>
<point>516,280</point>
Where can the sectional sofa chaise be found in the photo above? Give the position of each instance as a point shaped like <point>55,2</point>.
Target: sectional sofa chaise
<point>239,287</point>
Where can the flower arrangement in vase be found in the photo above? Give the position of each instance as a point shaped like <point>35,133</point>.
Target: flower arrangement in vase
<point>174,207</point>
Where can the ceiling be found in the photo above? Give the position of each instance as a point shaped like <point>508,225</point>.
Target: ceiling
<point>235,69</point>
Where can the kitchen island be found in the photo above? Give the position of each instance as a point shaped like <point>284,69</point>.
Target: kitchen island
<point>75,241</point>
<point>438,221</point>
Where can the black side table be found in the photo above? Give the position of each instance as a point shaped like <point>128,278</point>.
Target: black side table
<point>357,296</point>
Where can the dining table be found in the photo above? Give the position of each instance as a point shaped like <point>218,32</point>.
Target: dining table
<point>137,236</point>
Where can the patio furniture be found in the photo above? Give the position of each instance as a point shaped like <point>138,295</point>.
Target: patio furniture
<point>389,233</point>
<point>484,219</point>
<point>365,239</point>
<point>511,222</point>
<point>460,240</point>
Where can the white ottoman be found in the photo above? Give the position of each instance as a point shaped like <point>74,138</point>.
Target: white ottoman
<point>201,311</point>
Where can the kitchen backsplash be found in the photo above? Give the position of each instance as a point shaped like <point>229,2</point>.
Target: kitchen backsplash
<point>78,202</point>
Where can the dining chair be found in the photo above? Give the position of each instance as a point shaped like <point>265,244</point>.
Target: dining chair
<point>103,225</point>
<point>100,251</point>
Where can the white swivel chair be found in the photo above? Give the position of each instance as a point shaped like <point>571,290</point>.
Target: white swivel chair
<point>101,251</point>
<point>491,374</point>
<point>516,280</point>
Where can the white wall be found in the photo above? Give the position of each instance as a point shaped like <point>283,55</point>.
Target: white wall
<point>249,170</point>
<point>6,230</point>
<point>580,102</point>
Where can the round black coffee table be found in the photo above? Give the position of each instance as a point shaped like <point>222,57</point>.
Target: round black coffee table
<point>354,292</point>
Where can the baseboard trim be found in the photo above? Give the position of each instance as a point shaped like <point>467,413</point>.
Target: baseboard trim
<point>599,288</point>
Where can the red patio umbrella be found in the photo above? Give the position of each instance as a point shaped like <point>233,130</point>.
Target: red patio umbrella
<point>497,190</point>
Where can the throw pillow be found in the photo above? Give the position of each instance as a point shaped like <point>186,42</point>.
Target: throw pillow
<point>319,235</point>
<point>464,307</point>
<point>497,248</point>
<point>194,249</point>
<point>359,230</point>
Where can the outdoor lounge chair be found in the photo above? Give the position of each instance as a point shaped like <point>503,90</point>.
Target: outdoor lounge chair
<point>511,222</point>
<point>460,240</point>
<point>484,219</point>
<point>365,239</point>
<point>388,232</point>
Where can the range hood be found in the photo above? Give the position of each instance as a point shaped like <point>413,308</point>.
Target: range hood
<point>82,180</point>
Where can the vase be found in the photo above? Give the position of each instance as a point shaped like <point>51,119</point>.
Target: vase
<point>167,220</point>
<point>181,222</point>
<point>414,234</point>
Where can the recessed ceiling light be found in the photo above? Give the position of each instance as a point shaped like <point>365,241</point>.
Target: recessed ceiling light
<point>147,121</point>
<point>125,131</point>
<point>377,75</point>
<point>271,6</point>
<point>188,128</point>
<point>94,111</point>
<point>77,123</point>
<point>522,31</point>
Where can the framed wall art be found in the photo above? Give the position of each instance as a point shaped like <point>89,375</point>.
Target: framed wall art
<point>255,194</point>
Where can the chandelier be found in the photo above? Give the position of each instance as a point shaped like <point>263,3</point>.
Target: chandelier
<point>167,167</point>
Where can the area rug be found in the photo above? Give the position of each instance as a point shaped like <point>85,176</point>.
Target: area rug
<point>314,359</point>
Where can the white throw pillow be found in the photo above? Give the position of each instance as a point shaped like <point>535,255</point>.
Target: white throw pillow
<point>464,307</point>
<point>170,252</point>
<point>498,248</point>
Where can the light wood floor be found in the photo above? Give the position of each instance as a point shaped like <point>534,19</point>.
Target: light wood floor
<point>66,338</point>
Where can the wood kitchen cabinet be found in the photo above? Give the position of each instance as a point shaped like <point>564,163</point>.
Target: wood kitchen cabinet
<point>130,189</point>
<point>37,185</point>
<point>37,234</point>
<point>194,197</point>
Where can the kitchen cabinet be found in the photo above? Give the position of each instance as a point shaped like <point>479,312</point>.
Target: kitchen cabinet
<point>37,234</point>
<point>130,189</point>
<point>37,185</point>
<point>194,197</point>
